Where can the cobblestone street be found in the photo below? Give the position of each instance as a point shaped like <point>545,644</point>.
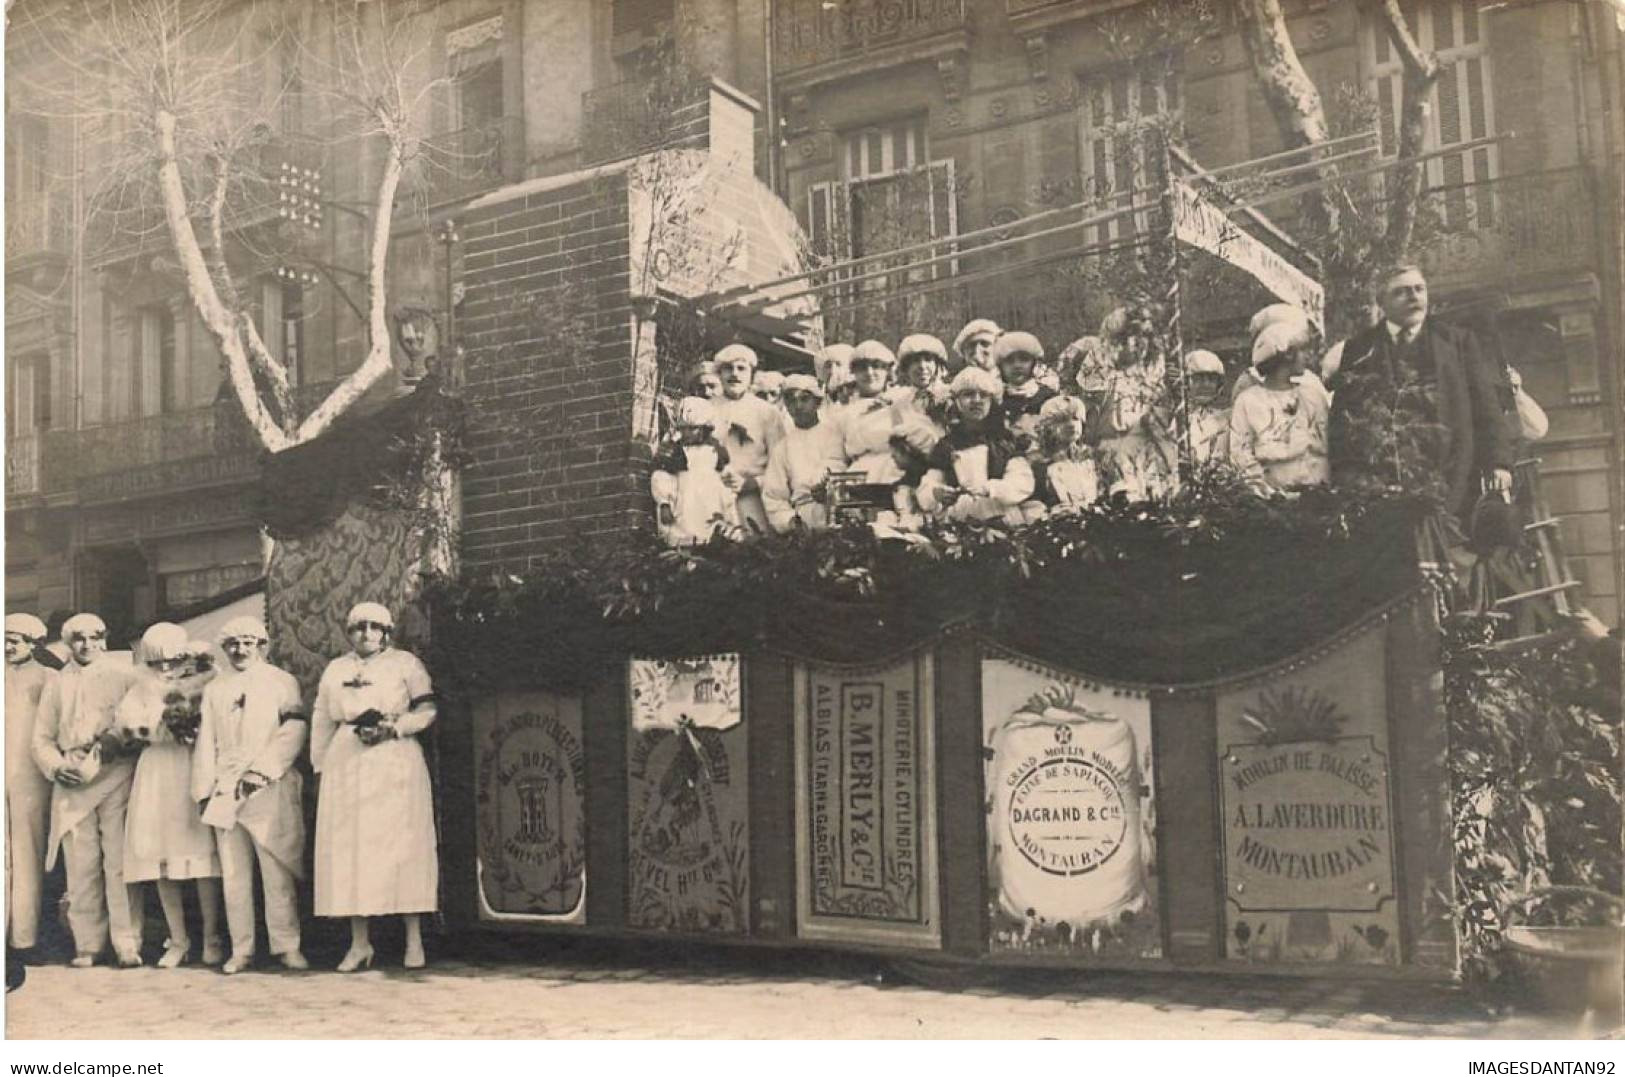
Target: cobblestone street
<point>614,991</point>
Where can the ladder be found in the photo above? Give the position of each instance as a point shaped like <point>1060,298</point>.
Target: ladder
<point>1531,582</point>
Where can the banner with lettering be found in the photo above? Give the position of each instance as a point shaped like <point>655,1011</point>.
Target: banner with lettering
<point>866,847</point>
<point>1072,815</point>
<point>531,860</point>
<point>688,829</point>
<point>1308,833</point>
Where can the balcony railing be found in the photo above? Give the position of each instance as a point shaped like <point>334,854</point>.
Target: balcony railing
<point>1538,222</point>
<point>807,33</point>
<point>148,456</point>
<point>464,163</point>
<point>642,114</point>
<point>23,465</point>
<point>40,225</point>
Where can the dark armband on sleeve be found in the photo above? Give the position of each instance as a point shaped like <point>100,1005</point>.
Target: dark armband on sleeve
<point>293,715</point>
<point>418,701</point>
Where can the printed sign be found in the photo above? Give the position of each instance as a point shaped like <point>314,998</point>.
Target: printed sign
<point>1205,227</point>
<point>1072,821</point>
<point>866,860</point>
<point>1308,833</point>
<point>529,772</point>
<point>688,832</point>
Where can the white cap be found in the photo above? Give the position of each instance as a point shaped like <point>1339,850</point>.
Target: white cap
<point>770,379</point>
<point>375,612</point>
<point>1274,339</point>
<point>803,383</point>
<point>1017,343</point>
<point>245,626</point>
<point>163,640</point>
<point>82,624</point>
<point>1062,407</point>
<point>1202,361</point>
<point>974,377</point>
<point>696,411</point>
<point>976,327</point>
<point>736,353</point>
<point>25,625</point>
<point>921,344</point>
<point>834,357</point>
<point>1279,314</point>
<point>873,351</point>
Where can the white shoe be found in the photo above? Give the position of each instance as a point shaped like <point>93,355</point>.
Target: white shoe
<point>82,961</point>
<point>237,963</point>
<point>295,960</point>
<point>213,952</point>
<point>174,954</point>
<point>128,959</point>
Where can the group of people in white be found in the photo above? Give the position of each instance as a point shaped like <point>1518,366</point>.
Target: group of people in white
<point>164,769</point>
<point>993,430</point>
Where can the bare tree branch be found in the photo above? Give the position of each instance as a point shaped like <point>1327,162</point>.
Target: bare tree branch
<point>1404,186</point>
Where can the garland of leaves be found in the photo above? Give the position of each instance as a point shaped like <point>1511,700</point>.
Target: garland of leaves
<point>1535,763</point>
<point>845,596</point>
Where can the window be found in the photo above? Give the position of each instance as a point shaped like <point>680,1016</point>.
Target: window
<point>1119,159</point>
<point>891,195</point>
<point>281,319</point>
<point>643,17</point>
<point>1462,109</point>
<point>28,394</point>
<point>160,384</point>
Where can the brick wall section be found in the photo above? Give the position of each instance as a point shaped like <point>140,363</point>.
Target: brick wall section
<point>546,323</point>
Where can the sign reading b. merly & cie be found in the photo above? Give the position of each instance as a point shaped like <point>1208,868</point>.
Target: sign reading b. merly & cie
<point>865,847</point>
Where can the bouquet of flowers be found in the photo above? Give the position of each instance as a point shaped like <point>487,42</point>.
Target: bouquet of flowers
<point>182,716</point>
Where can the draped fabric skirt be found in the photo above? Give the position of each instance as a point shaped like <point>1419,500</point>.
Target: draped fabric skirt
<point>164,833</point>
<point>375,837</point>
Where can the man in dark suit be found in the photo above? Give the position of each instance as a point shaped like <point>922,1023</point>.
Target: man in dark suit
<point>1415,405</point>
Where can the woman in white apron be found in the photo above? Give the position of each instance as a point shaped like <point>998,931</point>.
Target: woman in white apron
<point>165,841</point>
<point>375,837</point>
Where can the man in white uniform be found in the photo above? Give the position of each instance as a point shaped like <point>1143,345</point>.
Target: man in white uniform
<point>28,794</point>
<point>748,427</point>
<point>243,777</point>
<point>76,748</point>
<point>792,489</point>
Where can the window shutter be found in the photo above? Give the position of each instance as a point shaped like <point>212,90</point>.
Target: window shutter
<point>944,212</point>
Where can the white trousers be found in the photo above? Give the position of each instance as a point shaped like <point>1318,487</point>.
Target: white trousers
<point>28,821</point>
<point>98,900</point>
<point>238,853</point>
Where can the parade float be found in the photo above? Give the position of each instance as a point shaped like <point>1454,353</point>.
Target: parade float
<point>1208,732</point>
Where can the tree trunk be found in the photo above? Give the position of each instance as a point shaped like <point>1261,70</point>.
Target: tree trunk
<point>1292,96</point>
<point>1404,183</point>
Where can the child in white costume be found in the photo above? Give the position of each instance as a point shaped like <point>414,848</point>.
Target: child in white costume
<point>748,428</point>
<point>165,842</point>
<point>693,489</point>
<point>1278,426</point>
<point>867,421</point>
<point>1209,419</point>
<point>793,487</point>
<point>252,730</point>
<point>375,837</point>
<point>976,470</point>
<point>77,748</point>
<point>1064,472</point>
<point>28,793</point>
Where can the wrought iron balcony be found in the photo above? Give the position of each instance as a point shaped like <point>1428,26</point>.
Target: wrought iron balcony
<point>468,162</point>
<point>23,465</point>
<point>38,225</point>
<point>812,33</point>
<point>1515,226</point>
<point>152,455</point>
